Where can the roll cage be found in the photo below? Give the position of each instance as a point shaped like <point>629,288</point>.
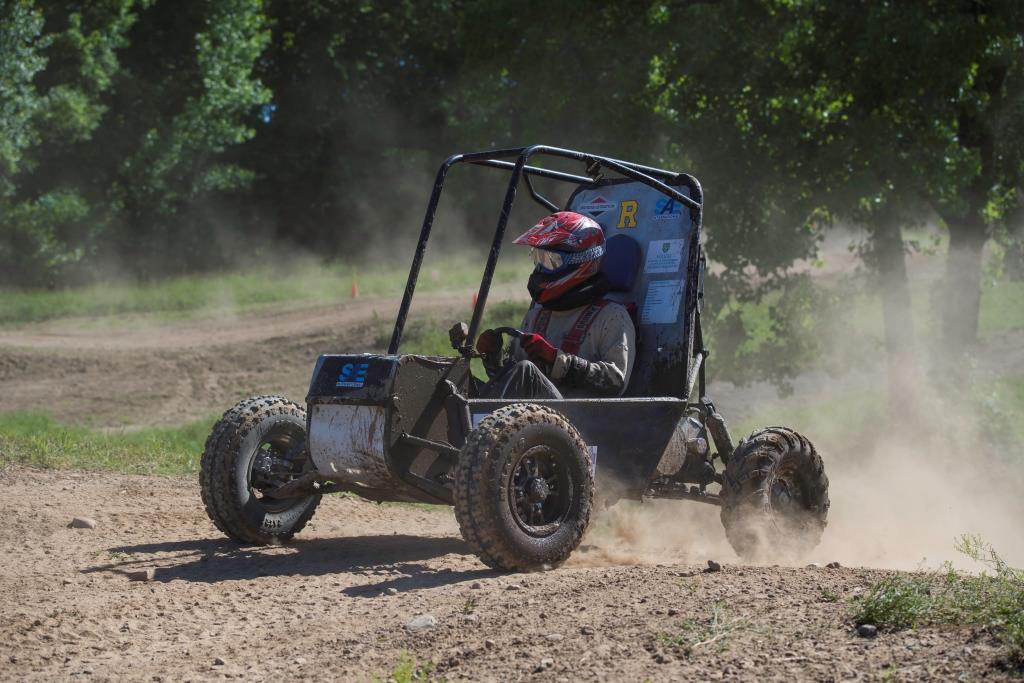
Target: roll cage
<point>516,162</point>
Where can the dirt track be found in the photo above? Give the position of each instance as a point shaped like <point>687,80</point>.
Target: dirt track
<point>633,604</point>
<point>138,371</point>
<point>321,609</point>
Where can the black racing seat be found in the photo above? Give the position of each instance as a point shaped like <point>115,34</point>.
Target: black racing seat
<point>622,255</point>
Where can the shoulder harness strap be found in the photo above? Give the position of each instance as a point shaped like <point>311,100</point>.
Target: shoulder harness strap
<point>573,340</point>
<point>540,323</point>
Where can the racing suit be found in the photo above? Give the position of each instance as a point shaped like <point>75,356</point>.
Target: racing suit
<point>594,359</point>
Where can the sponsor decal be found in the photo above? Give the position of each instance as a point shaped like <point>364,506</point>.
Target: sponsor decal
<point>352,375</point>
<point>627,214</point>
<point>664,256</point>
<point>665,209</point>
<point>597,206</point>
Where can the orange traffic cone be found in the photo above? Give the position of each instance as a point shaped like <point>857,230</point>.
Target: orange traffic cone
<point>355,289</point>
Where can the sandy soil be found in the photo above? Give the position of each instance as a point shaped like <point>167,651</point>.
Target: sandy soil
<point>335,603</point>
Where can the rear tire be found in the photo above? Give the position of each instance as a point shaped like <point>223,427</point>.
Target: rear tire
<point>776,496</point>
<point>524,488</point>
<point>258,444</point>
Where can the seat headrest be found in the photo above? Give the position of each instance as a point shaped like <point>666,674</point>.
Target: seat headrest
<point>621,263</point>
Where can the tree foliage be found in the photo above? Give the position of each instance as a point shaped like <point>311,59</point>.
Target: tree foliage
<point>164,136</point>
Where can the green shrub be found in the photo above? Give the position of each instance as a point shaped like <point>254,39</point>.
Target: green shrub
<point>946,597</point>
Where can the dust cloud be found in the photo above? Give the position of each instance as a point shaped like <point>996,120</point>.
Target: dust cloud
<point>896,505</point>
<point>905,481</point>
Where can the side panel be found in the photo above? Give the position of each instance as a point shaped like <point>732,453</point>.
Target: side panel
<point>627,437</point>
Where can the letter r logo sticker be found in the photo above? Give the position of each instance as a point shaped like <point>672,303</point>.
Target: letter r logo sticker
<point>627,214</point>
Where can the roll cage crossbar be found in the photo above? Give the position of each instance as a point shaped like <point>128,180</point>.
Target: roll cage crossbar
<point>520,170</point>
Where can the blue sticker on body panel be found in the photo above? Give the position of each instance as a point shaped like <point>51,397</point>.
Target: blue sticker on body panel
<point>667,208</point>
<point>352,375</point>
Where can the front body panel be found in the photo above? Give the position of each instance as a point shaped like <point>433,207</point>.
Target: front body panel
<point>347,441</point>
<point>360,407</point>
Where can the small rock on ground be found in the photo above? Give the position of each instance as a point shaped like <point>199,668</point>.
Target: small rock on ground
<point>833,565</point>
<point>587,631</point>
<point>867,630</point>
<point>82,523</point>
<point>554,637</point>
<point>391,591</point>
<point>423,622</point>
<point>713,566</point>
<point>219,661</point>
<point>141,574</point>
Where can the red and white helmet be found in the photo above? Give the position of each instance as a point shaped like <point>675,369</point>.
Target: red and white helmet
<point>567,251</point>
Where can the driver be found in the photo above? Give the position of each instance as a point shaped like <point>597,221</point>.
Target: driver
<point>576,343</point>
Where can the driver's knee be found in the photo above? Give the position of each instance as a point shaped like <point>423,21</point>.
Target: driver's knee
<point>525,366</point>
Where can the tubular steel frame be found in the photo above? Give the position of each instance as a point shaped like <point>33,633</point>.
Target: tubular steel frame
<point>519,169</point>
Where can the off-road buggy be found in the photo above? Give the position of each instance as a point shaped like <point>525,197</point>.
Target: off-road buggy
<point>524,477</point>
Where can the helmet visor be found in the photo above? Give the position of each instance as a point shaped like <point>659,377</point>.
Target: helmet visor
<point>547,261</point>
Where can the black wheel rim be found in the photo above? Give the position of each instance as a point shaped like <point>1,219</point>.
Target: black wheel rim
<point>540,491</point>
<point>278,458</point>
<point>786,495</point>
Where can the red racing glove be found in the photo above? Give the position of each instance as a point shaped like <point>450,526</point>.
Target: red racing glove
<point>538,348</point>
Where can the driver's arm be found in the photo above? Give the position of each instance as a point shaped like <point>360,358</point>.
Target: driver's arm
<point>604,375</point>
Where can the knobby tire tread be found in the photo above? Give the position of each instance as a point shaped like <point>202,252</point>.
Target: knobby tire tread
<point>218,462</point>
<point>479,475</point>
<point>748,475</point>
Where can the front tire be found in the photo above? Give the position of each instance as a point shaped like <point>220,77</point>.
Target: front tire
<point>256,446</point>
<point>524,488</point>
<point>776,496</point>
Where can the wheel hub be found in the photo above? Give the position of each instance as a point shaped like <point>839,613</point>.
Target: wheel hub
<point>540,491</point>
<point>537,490</point>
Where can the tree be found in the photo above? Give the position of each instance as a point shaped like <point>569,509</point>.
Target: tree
<point>356,123</point>
<point>59,76</point>
<point>122,113</point>
<point>936,98</point>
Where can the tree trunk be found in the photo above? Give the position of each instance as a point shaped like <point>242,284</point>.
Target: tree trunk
<point>901,358</point>
<point>962,297</point>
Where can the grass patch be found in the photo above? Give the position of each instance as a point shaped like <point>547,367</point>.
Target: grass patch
<point>712,632</point>
<point>37,440</point>
<point>407,671</point>
<point>194,295</point>
<point>993,599</point>
<point>1002,308</point>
